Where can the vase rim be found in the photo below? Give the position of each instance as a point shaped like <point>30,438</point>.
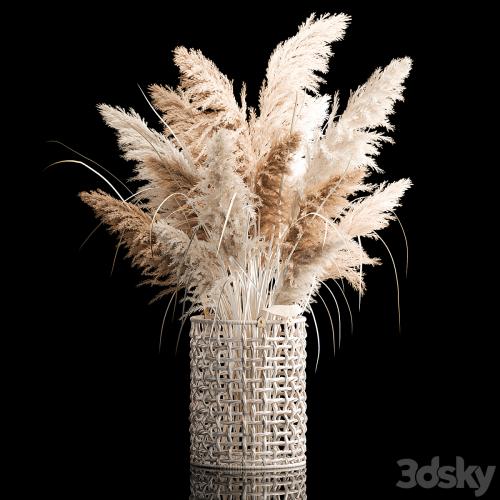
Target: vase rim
<point>202,319</point>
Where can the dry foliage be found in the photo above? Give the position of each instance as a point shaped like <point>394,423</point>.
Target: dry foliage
<point>243,209</point>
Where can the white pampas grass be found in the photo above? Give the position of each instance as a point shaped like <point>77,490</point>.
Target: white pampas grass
<point>294,66</point>
<point>352,140</point>
<point>371,104</point>
<point>247,211</point>
<point>223,204</point>
<point>365,217</point>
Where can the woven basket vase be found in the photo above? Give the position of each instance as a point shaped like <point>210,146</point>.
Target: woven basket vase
<point>248,394</point>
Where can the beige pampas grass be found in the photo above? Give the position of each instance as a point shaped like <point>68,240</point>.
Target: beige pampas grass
<point>132,225</point>
<point>271,185</point>
<point>242,210</point>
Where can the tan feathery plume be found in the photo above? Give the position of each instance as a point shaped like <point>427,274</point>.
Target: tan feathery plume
<point>203,104</point>
<point>132,225</point>
<point>307,234</point>
<point>270,185</point>
<point>339,258</point>
<point>188,123</point>
<point>156,249</point>
<point>206,87</point>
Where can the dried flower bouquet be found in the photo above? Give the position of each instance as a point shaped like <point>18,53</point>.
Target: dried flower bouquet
<point>242,209</point>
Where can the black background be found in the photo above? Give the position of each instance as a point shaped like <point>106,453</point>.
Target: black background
<point>105,413</point>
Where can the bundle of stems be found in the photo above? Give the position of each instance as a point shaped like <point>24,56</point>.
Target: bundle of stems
<point>243,209</point>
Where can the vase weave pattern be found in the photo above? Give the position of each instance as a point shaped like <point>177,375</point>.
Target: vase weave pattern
<point>248,393</point>
<point>248,485</point>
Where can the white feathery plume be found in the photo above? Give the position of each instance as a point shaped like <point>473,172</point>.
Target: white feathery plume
<point>224,201</point>
<point>370,214</point>
<point>372,103</point>
<point>352,140</point>
<point>135,138</point>
<point>294,69</point>
<point>159,163</point>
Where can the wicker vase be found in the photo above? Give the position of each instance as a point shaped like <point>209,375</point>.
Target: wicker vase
<point>248,394</point>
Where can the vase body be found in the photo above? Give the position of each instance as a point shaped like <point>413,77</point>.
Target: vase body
<point>248,394</point>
